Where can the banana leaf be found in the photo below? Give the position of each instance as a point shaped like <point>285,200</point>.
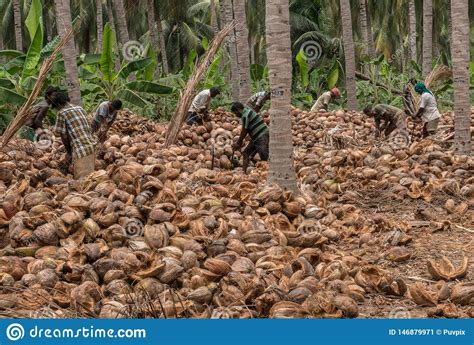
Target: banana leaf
<point>149,87</point>
<point>333,75</point>
<point>107,57</point>
<point>11,53</point>
<point>34,52</point>
<point>132,98</point>
<point>134,66</point>
<point>11,97</point>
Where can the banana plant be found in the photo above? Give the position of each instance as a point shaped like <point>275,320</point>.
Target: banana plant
<point>103,80</point>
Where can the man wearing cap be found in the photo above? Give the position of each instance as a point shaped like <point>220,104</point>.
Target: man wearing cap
<point>323,101</point>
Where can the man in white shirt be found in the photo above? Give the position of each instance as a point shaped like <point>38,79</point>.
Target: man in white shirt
<point>200,106</point>
<point>258,100</point>
<point>322,103</point>
<point>428,110</point>
<point>105,116</point>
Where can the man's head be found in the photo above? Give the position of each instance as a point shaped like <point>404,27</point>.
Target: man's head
<point>214,91</point>
<point>369,111</point>
<point>237,108</point>
<point>421,88</point>
<point>412,81</point>
<point>60,99</point>
<point>335,93</point>
<point>49,94</point>
<point>116,104</point>
<point>268,95</point>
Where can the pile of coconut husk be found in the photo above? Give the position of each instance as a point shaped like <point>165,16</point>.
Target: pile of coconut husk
<point>155,232</point>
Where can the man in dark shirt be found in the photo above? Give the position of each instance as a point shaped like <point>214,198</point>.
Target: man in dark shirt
<point>34,125</point>
<point>255,127</point>
<point>387,118</point>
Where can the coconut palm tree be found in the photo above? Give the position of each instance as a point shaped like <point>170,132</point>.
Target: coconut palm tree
<point>17,17</point>
<point>460,54</point>
<point>121,21</point>
<point>231,43</point>
<point>100,24</point>
<point>412,25</point>
<point>243,53</point>
<point>164,55</point>
<point>212,8</point>
<point>366,29</point>
<point>277,22</point>
<point>64,24</point>
<point>349,54</point>
<point>427,37</point>
<point>151,23</point>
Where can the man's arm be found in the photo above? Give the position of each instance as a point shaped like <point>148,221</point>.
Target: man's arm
<point>38,121</point>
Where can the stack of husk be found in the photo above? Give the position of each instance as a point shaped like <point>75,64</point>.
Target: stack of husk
<point>155,232</point>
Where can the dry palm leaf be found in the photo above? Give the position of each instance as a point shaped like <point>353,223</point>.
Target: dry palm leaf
<point>186,97</point>
<point>445,269</point>
<point>24,113</point>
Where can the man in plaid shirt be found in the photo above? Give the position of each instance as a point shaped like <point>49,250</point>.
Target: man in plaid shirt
<point>73,127</point>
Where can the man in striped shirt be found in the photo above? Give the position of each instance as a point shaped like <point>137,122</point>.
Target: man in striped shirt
<point>255,127</point>
<point>73,126</point>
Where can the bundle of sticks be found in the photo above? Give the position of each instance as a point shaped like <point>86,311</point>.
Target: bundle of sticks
<point>187,96</point>
<point>24,114</point>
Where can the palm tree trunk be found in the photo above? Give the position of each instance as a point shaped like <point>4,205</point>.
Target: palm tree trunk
<point>47,24</point>
<point>121,22</point>
<point>151,23</point>
<point>243,54</point>
<point>427,37</point>
<point>234,68</point>
<point>366,29</point>
<point>277,23</point>
<point>17,21</point>
<point>164,55</point>
<point>222,23</point>
<point>412,24</point>
<point>460,54</point>
<point>64,24</point>
<point>349,54</point>
<point>212,9</point>
<point>100,25</point>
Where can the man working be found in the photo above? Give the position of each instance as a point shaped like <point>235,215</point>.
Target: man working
<point>200,106</point>
<point>428,110</point>
<point>73,127</point>
<point>253,125</point>
<point>258,100</point>
<point>34,125</point>
<point>105,117</point>
<point>392,118</point>
<point>322,103</point>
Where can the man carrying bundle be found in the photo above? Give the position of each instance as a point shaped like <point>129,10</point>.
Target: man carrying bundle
<point>253,125</point>
<point>105,116</point>
<point>258,100</point>
<point>200,106</point>
<point>34,126</point>
<point>322,103</point>
<point>387,118</point>
<point>73,127</point>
